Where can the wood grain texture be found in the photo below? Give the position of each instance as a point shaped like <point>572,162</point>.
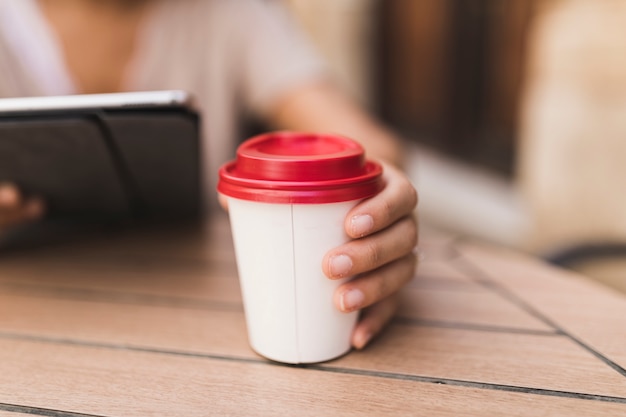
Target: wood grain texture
<point>125,383</point>
<point>152,323</point>
<point>531,361</point>
<point>593,314</point>
<point>473,307</point>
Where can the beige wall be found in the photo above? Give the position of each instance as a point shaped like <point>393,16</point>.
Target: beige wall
<point>573,141</point>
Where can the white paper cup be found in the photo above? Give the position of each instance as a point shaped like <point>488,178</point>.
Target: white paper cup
<point>288,196</point>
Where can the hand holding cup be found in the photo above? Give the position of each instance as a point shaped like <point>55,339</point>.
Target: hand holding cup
<point>288,196</point>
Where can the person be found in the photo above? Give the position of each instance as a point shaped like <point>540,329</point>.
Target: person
<point>238,58</point>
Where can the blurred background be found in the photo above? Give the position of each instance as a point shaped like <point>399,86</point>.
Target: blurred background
<point>513,112</point>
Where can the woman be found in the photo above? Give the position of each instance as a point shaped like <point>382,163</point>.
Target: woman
<point>238,58</point>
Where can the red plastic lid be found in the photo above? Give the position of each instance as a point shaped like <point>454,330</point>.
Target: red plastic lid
<point>300,168</point>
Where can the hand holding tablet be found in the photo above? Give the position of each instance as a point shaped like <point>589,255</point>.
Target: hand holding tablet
<point>15,209</point>
<point>105,157</point>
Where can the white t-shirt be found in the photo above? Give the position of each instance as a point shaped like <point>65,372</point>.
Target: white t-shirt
<point>234,56</point>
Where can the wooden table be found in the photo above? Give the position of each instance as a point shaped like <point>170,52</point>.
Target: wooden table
<point>152,324</point>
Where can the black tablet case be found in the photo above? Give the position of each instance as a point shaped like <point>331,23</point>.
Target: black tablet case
<point>105,165</point>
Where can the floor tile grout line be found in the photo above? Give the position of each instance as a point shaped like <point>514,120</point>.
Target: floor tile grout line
<point>45,412</point>
<point>126,347</point>
<point>512,297</point>
<point>323,368</point>
<point>471,384</point>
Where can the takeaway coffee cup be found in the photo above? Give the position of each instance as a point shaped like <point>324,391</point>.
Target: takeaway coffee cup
<point>288,196</point>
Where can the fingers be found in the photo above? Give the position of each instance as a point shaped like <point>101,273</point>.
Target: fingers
<point>380,255</point>
<point>376,294</point>
<point>370,288</point>
<point>223,200</point>
<point>15,209</point>
<point>373,320</point>
<point>383,228</point>
<point>369,253</point>
<point>396,200</point>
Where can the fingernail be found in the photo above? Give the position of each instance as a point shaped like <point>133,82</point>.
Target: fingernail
<point>363,340</point>
<point>340,266</point>
<point>351,300</point>
<point>361,224</point>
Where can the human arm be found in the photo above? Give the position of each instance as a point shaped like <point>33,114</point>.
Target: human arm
<point>383,229</point>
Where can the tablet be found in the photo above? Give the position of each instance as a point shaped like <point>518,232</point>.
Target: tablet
<point>139,99</point>
<point>105,157</point>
